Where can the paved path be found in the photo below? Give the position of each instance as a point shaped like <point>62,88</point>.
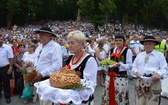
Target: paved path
<point>98,93</point>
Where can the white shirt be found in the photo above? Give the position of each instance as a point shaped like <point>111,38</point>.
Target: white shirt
<point>136,46</point>
<point>90,70</point>
<point>106,47</point>
<point>29,58</point>
<point>156,60</point>
<point>5,53</point>
<point>90,50</point>
<point>64,51</point>
<point>49,60</point>
<point>128,64</point>
<point>102,55</point>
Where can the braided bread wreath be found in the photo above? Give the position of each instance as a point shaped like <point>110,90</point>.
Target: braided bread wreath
<point>64,77</point>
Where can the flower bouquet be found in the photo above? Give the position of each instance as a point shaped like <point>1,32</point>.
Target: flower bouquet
<point>146,76</point>
<point>148,73</point>
<point>28,76</point>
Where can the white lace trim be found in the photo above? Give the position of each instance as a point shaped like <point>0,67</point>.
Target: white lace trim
<point>64,96</point>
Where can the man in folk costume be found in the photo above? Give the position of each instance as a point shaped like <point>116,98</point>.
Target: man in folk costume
<point>116,83</point>
<point>49,57</point>
<point>149,63</point>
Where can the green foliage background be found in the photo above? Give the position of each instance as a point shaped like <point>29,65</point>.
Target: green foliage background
<point>151,13</point>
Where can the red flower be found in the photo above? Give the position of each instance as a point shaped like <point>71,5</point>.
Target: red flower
<point>116,92</point>
<point>68,66</point>
<point>120,96</point>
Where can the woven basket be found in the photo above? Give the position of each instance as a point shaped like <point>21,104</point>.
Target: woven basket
<point>29,77</point>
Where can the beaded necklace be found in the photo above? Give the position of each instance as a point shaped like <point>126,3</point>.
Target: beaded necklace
<point>73,63</point>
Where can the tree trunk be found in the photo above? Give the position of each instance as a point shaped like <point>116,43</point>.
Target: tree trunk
<point>9,20</point>
<point>161,26</point>
<point>135,19</point>
<point>123,21</point>
<point>78,20</point>
<point>106,21</point>
<point>96,27</point>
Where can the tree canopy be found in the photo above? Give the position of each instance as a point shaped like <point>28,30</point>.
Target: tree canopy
<point>153,13</point>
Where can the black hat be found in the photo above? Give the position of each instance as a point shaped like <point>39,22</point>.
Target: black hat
<point>45,30</point>
<point>149,39</point>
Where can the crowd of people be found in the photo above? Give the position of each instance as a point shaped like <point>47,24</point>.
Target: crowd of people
<point>50,46</point>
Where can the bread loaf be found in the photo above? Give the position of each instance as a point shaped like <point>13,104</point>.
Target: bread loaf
<point>64,77</point>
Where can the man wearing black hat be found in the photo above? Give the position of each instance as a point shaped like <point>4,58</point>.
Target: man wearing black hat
<point>149,67</point>
<point>49,57</point>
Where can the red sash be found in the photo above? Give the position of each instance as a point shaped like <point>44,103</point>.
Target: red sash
<point>112,75</point>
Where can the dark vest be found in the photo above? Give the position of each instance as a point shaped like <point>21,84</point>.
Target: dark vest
<point>122,59</point>
<point>80,68</point>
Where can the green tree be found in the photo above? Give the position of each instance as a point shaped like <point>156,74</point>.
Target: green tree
<point>8,8</point>
<point>158,14</point>
<point>96,10</point>
<point>66,9</point>
<point>152,12</point>
<point>164,4</point>
<point>28,11</point>
<point>124,8</point>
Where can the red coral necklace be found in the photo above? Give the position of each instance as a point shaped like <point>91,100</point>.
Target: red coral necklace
<point>73,63</point>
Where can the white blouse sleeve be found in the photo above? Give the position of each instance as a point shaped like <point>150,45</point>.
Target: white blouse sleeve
<point>163,69</point>
<point>134,65</point>
<point>90,71</point>
<point>128,65</point>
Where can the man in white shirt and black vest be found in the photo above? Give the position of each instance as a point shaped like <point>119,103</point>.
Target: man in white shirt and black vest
<point>49,57</point>
<point>6,63</point>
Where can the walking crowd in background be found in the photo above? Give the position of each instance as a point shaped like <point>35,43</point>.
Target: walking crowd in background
<point>47,47</point>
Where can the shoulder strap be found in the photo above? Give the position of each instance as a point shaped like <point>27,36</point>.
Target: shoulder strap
<point>69,59</point>
<point>125,54</point>
<point>82,65</point>
<point>111,50</point>
<point>125,50</point>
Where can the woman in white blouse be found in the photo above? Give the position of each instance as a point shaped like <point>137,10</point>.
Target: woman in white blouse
<point>84,64</point>
<point>91,48</point>
<point>101,55</point>
<point>28,62</point>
